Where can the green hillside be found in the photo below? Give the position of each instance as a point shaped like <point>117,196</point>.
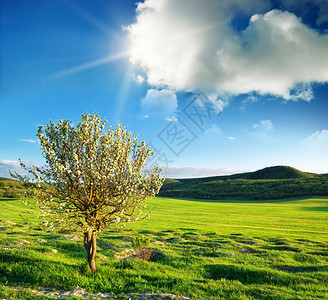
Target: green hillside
<point>10,188</point>
<point>269,183</point>
<point>280,172</point>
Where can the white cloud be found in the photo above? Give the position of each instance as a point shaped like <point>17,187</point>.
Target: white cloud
<point>231,138</point>
<point>213,131</point>
<point>140,79</point>
<point>13,165</point>
<point>191,45</point>
<point>190,171</point>
<point>28,141</point>
<point>317,140</point>
<point>173,119</point>
<point>262,129</point>
<point>314,149</point>
<point>8,162</point>
<point>161,103</point>
<point>264,125</point>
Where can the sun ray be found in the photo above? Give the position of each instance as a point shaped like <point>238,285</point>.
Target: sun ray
<point>124,91</point>
<point>87,16</point>
<point>91,65</point>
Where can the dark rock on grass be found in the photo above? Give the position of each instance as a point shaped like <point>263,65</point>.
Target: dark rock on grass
<point>246,250</point>
<point>228,254</point>
<point>247,242</point>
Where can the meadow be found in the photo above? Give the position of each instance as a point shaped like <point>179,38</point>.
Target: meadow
<point>202,249</point>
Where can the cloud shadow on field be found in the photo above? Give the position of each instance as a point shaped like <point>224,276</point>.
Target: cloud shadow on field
<point>237,201</point>
<point>316,208</point>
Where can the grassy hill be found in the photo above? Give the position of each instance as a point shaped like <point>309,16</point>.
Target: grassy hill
<point>280,172</point>
<point>10,188</point>
<point>269,183</point>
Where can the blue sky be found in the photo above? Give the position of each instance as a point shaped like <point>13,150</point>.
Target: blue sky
<point>216,87</point>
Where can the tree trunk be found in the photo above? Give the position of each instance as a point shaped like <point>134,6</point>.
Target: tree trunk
<point>90,244</point>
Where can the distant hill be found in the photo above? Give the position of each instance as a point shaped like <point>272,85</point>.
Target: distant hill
<point>10,188</point>
<point>279,172</point>
<point>269,183</point>
<point>276,172</point>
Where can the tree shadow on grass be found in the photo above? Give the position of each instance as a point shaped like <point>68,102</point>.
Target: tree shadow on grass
<point>232,200</point>
<point>9,199</point>
<point>315,208</point>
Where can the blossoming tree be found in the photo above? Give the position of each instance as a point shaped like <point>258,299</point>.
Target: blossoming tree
<point>93,177</point>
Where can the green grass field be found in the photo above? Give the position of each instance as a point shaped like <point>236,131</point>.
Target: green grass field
<point>204,250</point>
<point>306,217</point>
